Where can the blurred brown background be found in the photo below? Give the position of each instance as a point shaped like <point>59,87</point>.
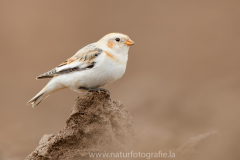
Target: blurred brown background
<point>182,78</point>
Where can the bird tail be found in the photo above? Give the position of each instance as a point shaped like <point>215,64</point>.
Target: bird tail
<point>39,97</point>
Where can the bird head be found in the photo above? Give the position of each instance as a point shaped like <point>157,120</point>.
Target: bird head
<point>115,42</point>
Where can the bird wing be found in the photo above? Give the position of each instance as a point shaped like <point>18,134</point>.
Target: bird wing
<point>82,60</point>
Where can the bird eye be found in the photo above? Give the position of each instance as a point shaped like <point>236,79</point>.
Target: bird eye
<point>117,39</point>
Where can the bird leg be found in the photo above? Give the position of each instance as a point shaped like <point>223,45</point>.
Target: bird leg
<point>96,89</point>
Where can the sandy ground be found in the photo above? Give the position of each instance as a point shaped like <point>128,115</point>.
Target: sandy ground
<point>182,78</point>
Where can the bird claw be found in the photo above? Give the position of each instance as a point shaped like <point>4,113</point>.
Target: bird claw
<point>101,89</point>
<point>108,95</point>
<point>93,90</point>
<point>106,91</point>
<point>97,89</point>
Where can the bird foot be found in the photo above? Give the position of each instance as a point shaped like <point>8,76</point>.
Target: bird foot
<point>97,90</point>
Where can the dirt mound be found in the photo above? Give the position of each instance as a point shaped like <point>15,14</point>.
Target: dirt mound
<point>96,125</point>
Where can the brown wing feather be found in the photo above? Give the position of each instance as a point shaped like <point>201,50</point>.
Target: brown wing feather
<point>69,61</point>
<point>48,74</point>
<point>86,54</point>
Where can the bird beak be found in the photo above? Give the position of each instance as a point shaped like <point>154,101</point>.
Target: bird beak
<point>129,42</point>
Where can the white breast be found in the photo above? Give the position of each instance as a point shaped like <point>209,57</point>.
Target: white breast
<point>106,70</point>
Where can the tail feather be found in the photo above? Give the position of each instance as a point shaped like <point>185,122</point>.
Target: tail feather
<point>37,99</point>
<point>50,88</point>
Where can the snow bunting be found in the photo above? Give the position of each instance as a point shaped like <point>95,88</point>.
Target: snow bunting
<point>93,66</point>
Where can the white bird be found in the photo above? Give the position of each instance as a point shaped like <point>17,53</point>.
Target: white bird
<point>93,66</point>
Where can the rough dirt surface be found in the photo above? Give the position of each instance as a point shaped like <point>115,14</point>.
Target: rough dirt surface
<point>96,124</point>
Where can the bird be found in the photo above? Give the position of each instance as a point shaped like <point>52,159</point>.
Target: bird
<point>92,67</point>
